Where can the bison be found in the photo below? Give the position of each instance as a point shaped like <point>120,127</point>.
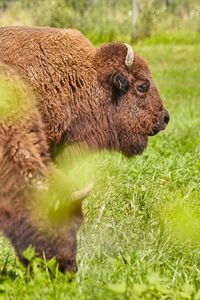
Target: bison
<point>103,97</point>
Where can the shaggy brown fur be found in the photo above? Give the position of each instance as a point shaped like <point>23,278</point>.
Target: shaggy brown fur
<point>83,94</point>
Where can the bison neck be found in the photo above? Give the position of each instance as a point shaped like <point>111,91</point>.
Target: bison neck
<point>92,124</point>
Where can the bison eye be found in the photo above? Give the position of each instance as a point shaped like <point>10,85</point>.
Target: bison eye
<point>143,88</point>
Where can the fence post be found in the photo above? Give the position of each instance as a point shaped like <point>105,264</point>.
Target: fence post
<point>134,18</point>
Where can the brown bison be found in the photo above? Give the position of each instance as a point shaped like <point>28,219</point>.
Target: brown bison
<point>104,98</point>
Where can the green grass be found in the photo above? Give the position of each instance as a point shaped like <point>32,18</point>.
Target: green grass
<point>140,236</point>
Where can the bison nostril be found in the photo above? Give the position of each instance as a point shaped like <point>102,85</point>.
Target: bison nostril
<point>166,119</point>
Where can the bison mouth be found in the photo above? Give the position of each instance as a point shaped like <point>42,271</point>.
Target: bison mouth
<point>161,124</point>
<point>154,131</point>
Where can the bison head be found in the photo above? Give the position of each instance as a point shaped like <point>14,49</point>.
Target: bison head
<point>132,104</point>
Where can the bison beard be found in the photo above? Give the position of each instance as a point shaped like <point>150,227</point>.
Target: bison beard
<point>104,98</point>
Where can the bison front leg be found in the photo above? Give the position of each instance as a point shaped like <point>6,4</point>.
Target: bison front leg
<point>30,190</point>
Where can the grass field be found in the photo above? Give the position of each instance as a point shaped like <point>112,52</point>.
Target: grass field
<point>141,237</point>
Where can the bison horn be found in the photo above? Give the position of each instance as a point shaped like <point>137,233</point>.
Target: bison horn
<point>82,194</point>
<point>129,58</point>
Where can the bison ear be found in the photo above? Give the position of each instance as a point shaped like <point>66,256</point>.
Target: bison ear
<point>121,82</point>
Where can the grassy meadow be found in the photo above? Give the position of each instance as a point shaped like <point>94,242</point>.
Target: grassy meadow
<point>140,238</point>
<point>141,235</point>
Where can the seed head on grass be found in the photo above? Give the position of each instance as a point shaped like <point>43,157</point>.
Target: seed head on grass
<point>182,218</point>
<point>16,98</point>
<point>66,186</point>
